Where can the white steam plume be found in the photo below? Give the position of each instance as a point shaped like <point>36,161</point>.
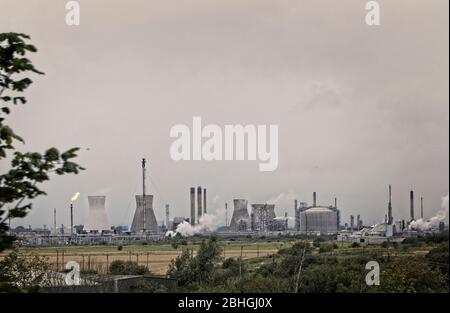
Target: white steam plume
<point>207,223</point>
<point>440,216</point>
<point>284,199</point>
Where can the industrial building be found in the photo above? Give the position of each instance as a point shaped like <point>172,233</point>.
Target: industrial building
<point>319,219</point>
<point>262,217</point>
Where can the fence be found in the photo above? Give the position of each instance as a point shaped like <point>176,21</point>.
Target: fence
<point>156,261</point>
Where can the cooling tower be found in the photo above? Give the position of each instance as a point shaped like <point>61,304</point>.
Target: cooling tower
<point>97,219</point>
<point>240,219</point>
<point>150,220</point>
<point>263,216</point>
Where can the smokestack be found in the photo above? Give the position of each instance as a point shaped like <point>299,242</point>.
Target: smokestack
<point>71,219</point>
<point>421,208</point>
<point>226,214</point>
<point>358,221</point>
<point>314,199</point>
<point>411,197</point>
<point>199,203</point>
<point>335,203</point>
<point>167,216</point>
<point>192,206</point>
<point>144,205</point>
<point>54,221</point>
<point>390,217</point>
<point>204,200</point>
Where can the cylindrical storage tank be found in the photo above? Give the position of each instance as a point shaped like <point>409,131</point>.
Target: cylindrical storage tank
<point>319,219</point>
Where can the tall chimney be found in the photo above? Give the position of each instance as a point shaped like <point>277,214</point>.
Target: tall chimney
<point>314,199</point>
<point>144,204</point>
<point>54,221</point>
<point>204,200</point>
<point>421,207</point>
<point>192,206</point>
<point>226,214</point>
<point>71,219</point>
<point>335,203</point>
<point>199,203</point>
<point>167,216</point>
<point>411,197</point>
<point>390,217</point>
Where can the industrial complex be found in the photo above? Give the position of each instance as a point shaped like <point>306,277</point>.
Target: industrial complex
<point>254,219</point>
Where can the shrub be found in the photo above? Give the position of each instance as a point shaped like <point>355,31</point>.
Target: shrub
<point>326,247</point>
<point>119,267</point>
<point>119,248</point>
<point>318,241</point>
<point>355,245</point>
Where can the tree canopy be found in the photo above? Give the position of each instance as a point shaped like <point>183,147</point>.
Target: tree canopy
<point>20,182</point>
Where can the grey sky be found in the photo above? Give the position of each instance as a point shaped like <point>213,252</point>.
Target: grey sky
<point>358,107</point>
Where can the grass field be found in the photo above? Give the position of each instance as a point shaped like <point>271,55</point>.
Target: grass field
<point>156,257</point>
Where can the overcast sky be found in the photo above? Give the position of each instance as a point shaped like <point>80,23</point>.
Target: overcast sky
<point>358,107</point>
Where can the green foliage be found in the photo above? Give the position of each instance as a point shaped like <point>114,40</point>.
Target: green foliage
<point>119,267</point>
<point>20,273</point>
<point>313,273</point>
<point>28,169</point>
<point>318,241</point>
<point>326,247</point>
<point>151,287</point>
<point>411,275</point>
<point>438,257</point>
<point>192,270</point>
<point>355,245</point>
<point>332,276</point>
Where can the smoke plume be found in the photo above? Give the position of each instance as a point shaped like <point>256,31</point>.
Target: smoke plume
<point>440,216</point>
<point>207,223</point>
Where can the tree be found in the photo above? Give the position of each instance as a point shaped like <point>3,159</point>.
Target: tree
<point>411,275</point>
<point>28,169</point>
<point>190,270</point>
<point>20,273</point>
<point>438,257</point>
